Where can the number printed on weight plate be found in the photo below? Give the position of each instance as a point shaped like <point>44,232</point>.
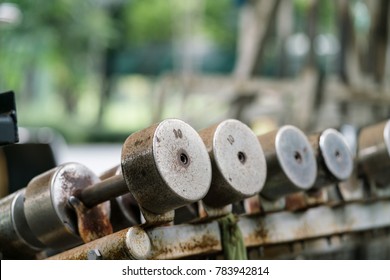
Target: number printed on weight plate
<point>178,133</point>
<point>230,139</point>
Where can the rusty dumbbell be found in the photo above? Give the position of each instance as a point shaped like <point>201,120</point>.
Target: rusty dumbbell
<point>39,216</point>
<point>239,167</point>
<point>16,238</point>
<point>334,164</point>
<point>374,153</point>
<point>334,158</point>
<point>291,163</point>
<point>164,166</point>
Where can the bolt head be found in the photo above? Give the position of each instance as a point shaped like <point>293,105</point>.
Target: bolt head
<point>94,255</point>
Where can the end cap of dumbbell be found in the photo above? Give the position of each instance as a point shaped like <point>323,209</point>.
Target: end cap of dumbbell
<point>46,205</point>
<point>138,243</point>
<point>296,156</point>
<point>239,167</point>
<point>336,154</point>
<point>166,166</point>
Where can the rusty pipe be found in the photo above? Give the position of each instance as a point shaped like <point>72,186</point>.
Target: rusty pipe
<point>132,243</point>
<point>125,211</point>
<point>200,239</point>
<point>105,190</point>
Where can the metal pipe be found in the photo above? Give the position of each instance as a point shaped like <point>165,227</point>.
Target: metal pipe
<point>125,211</point>
<point>104,190</point>
<point>189,240</point>
<point>110,172</point>
<point>131,243</point>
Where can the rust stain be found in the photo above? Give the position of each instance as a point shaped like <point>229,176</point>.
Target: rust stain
<point>112,247</point>
<point>76,181</point>
<point>295,202</point>
<point>252,205</point>
<point>138,142</point>
<point>206,241</point>
<point>303,232</point>
<point>316,197</point>
<point>199,245</point>
<point>94,222</point>
<point>207,136</point>
<point>259,236</point>
<point>115,248</point>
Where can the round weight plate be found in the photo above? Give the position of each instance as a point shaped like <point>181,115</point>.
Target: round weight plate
<point>336,154</point>
<point>296,156</point>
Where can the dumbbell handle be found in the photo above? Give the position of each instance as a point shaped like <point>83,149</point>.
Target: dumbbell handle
<point>109,188</point>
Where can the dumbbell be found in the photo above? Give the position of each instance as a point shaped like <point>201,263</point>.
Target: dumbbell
<point>334,164</point>
<point>374,153</point>
<point>164,166</point>
<point>16,239</point>
<point>238,163</point>
<point>238,168</point>
<point>334,158</point>
<point>291,163</point>
<point>38,216</point>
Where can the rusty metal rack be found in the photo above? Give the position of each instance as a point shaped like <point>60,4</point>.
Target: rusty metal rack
<point>197,240</point>
<point>286,194</point>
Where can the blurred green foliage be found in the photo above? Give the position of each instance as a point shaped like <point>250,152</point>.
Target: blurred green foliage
<point>54,36</point>
<point>152,21</point>
<point>326,12</point>
<point>57,57</point>
<point>220,22</point>
<point>149,21</point>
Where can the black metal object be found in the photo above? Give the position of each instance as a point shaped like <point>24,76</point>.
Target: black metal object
<point>25,161</point>
<point>8,121</point>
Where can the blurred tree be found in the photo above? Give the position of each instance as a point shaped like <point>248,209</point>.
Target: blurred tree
<point>148,29</point>
<point>220,23</point>
<point>63,38</point>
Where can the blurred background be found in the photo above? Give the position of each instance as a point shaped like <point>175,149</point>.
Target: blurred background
<point>88,73</point>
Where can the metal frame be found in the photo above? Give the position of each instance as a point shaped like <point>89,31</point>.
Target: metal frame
<point>192,240</point>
